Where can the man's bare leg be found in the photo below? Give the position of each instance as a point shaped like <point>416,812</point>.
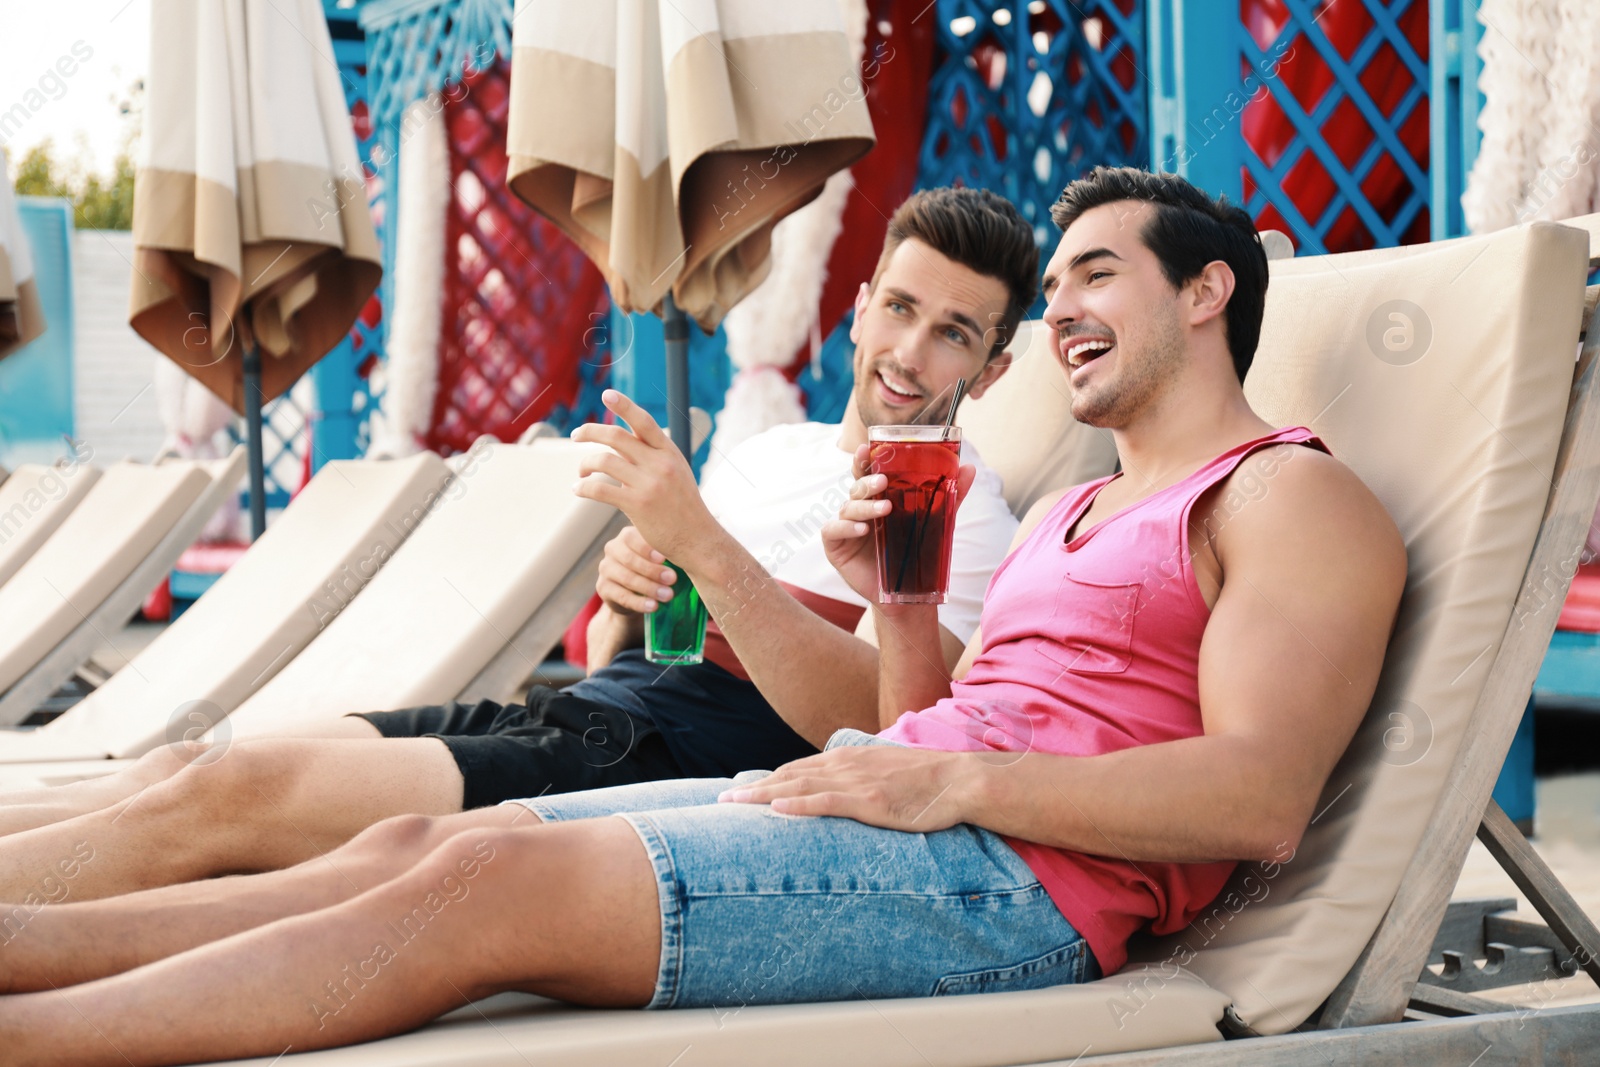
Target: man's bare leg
<point>27,809</point>
<point>258,806</point>
<point>567,910</point>
<point>63,944</point>
<point>345,727</point>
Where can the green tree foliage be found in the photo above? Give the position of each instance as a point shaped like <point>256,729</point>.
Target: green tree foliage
<point>99,201</point>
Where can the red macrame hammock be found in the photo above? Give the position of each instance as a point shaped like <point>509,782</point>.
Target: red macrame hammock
<point>520,300</point>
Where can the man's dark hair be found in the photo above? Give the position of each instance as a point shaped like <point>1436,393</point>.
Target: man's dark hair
<point>979,230</point>
<point>1187,230</point>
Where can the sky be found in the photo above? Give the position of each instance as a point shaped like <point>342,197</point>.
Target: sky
<point>78,112</point>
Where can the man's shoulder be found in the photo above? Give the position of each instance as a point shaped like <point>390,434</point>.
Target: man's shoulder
<point>1297,499</point>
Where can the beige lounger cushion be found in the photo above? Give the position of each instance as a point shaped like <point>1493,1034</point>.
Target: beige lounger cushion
<point>1459,444</point>
<point>310,562</point>
<point>121,519</point>
<point>1024,429</point>
<point>505,532</point>
<point>1113,1015</point>
<point>34,500</point>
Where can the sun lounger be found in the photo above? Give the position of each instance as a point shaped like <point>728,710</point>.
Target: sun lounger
<point>469,606</point>
<point>1470,426</point>
<point>33,502</point>
<point>90,576</point>
<point>335,535</point>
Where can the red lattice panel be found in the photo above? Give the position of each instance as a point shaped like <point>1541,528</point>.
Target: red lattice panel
<point>520,300</point>
<point>899,58</point>
<point>1306,76</point>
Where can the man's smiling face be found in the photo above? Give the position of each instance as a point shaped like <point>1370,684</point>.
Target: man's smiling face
<point>1115,314</point>
<point>927,322</point>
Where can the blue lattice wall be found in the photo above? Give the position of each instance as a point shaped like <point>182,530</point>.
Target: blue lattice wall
<point>1454,105</point>
<point>417,47</point>
<point>1347,125</point>
<point>344,397</point>
<point>1026,95</point>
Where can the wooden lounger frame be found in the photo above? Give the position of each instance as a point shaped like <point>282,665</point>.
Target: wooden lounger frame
<point>1389,1009</point>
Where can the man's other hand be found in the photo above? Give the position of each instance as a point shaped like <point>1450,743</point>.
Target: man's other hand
<point>633,576</point>
<point>898,788</point>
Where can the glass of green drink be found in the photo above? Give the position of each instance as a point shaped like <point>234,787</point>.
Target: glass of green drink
<point>676,631</point>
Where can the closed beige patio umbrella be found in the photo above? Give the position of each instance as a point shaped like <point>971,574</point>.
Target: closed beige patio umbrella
<point>668,137</point>
<point>21,314</point>
<point>254,246</point>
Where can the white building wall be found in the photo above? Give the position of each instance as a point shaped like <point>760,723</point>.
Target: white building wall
<point>115,403</point>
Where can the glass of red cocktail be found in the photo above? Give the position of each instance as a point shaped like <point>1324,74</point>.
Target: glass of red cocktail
<point>914,539</point>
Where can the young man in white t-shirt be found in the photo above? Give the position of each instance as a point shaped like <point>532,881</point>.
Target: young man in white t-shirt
<point>787,663</point>
<point>770,495</point>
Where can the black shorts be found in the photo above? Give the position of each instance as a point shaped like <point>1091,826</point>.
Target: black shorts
<point>558,743</point>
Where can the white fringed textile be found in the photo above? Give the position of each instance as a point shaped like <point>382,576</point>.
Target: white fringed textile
<point>1541,151</point>
<point>778,316</point>
<point>410,377</point>
<point>1568,156</point>
<point>1540,155</point>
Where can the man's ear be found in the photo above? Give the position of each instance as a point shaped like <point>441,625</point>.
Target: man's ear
<point>1211,289</point>
<point>863,296</point>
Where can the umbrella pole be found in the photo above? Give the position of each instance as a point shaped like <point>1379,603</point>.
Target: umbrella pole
<point>675,329</point>
<point>252,422</point>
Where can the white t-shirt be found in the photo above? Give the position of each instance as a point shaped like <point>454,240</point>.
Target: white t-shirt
<point>775,491</point>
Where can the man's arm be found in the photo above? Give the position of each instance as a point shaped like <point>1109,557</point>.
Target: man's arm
<point>910,678</point>
<point>1313,573</point>
<point>950,647</point>
<point>610,632</point>
<point>818,677</point>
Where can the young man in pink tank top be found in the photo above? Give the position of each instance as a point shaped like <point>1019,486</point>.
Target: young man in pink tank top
<point>1168,666</point>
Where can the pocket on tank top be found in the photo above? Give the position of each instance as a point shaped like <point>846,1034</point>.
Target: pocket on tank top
<point>1092,626</point>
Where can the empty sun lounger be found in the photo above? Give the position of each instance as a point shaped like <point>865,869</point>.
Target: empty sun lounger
<point>88,579</point>
<point>335,535</point>
<point>470,604</point>
<point>33,502</point>
<point>1483,444</point>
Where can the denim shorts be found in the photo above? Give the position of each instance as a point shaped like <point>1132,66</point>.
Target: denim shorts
<point>763,908</point>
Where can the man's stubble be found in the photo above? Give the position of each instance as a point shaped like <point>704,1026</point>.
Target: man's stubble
<point>1146,366</point>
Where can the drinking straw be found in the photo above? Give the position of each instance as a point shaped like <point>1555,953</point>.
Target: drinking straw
<point>950,416</point>
<point>921,527</point>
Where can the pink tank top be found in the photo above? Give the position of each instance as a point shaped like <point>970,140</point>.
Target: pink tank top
<point>1091,646</point>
